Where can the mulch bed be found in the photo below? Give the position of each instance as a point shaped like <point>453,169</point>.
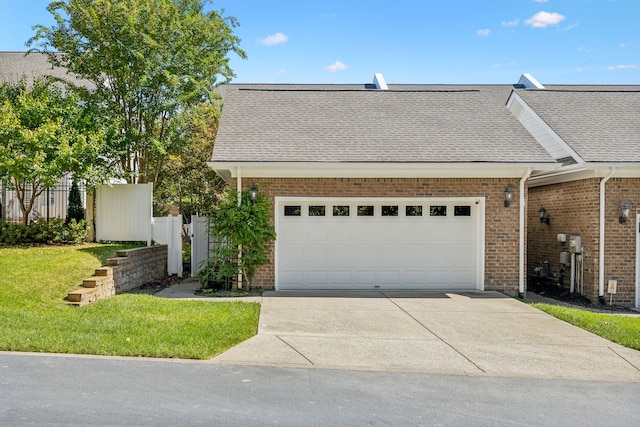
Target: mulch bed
<point>559,293</point>
<point>156,286</point>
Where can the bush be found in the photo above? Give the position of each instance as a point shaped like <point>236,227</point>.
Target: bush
<point>55,231</point>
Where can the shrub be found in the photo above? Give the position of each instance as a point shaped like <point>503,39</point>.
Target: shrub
<point>55,231</point>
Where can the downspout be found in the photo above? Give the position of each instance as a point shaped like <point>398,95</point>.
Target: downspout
<point>604,180</point>
<point>239,188</point>
<point>522,225</point>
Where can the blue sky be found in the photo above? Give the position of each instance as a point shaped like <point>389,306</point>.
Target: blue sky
<point>414,41</point>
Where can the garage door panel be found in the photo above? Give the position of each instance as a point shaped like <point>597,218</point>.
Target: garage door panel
<point>365,252</point>
<point>364,278</point>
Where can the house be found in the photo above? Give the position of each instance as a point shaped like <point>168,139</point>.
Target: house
<point>583,217</point>
<point>378,186</point>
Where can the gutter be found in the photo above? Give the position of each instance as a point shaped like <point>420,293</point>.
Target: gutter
<point>522,226</point>
<point>601,246</point>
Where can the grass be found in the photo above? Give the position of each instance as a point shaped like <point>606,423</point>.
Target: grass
<point>34,316</point>
<point>624,330</point>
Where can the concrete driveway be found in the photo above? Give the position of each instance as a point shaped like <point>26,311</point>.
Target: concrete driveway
<point>468,333</point>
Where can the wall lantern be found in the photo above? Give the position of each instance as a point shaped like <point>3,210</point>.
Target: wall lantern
<point>508,196</point>
<point>624,210</point>
<point>253,193</point>
<point>542,215</point>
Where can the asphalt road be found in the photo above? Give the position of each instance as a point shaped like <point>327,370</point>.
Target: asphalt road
<point>75,390</point>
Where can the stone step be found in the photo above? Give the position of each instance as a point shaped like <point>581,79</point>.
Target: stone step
<point>83,296</point>
<point>112,262</point>
<point>96,281</point>
<point>104,272</point>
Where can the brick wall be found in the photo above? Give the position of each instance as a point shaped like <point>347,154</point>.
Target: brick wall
<point>620,239</point>
<point>133,268</point>
<point>574,209</point>
<point>501,229</point>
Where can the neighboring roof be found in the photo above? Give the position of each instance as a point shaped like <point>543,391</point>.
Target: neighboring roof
<point>16,65</point>
<point>600,123</point>
<point>354,123</point>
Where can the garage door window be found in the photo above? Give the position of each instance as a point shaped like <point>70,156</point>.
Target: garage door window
<point>437,210</point>
<point>389,210</point>
<point>316,210</point>
<point>413,211</point>
<point>341,210</point>
<point>462,211</point>
<point>365,210</point>
<point>292,210</point>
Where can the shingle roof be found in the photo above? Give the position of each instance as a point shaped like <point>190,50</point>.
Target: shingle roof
<point>600,123</point>
<point>15,65</point>
<point>352,123</point>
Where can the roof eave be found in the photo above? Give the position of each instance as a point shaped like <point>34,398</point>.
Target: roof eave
<point>230,170</point>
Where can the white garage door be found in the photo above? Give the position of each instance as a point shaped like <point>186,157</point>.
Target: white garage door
<point>390,243</point>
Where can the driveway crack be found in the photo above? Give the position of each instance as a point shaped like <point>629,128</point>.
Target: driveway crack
<point>295,349</point>
<point>434,334</point>
<point>625,359</point>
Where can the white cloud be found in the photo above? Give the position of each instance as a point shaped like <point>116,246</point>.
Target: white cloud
<point>622,67</point>
<point>581,69</point>
<point>483,33</point>
<point>544,19</point>
<point>622,45</point>
<point>280,71</point>
<point>500,64</point>
<point>337,66</point>
<point>511,23</point>
<point>584,49</point>
<point>541,1</point>
<point>273,39</point>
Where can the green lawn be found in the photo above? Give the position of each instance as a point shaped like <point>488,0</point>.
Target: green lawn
<point>624,330</point>
<point>34,316</point>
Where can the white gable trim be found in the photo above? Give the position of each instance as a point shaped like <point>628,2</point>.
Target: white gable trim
<point>528,81</point>
<point>540,130</point>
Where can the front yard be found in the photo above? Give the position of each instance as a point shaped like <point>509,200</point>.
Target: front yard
<point>34,316</point>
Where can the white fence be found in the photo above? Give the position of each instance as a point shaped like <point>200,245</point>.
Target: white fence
<point>168,231</point>
<point>124,213</point>
<point>201,244</point>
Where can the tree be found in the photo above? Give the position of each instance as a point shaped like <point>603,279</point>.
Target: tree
<point>151,63</point>
<point>74,207</point>
<point>187,182</point>
<point>243,234</point>
<point>44,135</point>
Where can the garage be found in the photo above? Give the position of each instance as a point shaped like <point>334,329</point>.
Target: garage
<point>379,243</point>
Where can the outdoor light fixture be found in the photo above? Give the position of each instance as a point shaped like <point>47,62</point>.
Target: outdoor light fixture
<point>542,215</point>
<point>624,210</point>
<point>253,193</point>
<point>508,196</point>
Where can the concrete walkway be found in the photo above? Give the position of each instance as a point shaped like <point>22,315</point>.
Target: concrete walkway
<point>467,333</point>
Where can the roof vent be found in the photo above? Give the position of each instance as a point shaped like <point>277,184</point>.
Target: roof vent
<point>529,82</point>
<point>378,82</point>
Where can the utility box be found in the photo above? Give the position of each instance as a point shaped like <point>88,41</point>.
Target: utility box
<point>575,244</point>
<point>565,258</point>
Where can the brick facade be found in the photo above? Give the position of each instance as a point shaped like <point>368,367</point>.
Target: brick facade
<point>501,228</point>
<point>574,209</point>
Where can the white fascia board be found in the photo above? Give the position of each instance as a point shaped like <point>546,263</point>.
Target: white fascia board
<point>519,108</point>
<point>227,170</point>
<point>584,171</point>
